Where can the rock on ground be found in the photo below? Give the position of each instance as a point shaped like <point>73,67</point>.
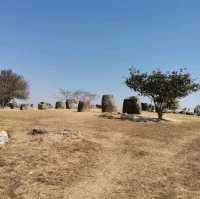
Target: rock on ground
<point>3,137</point>
<point>36,131</point>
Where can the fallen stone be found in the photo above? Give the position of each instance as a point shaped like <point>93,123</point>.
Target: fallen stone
<point>67,132</point>
<point>36,131</point>
<point>3,137</point>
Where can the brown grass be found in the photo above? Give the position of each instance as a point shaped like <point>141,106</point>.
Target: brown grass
<point>101,158</point>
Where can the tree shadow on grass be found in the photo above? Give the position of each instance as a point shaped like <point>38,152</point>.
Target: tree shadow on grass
<point>131,117</point>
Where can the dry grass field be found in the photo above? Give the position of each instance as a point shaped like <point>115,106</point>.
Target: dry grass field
<point>100,158</point>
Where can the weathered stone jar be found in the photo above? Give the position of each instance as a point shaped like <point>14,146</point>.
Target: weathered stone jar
<point>108,104</point>
<point>60,105</point>
<point>132,105</point>
<point>69,104</point>
<point>83,106</point>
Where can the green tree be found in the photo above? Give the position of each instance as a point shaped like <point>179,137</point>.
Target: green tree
<point>163,88</point>
<point>12,86</point>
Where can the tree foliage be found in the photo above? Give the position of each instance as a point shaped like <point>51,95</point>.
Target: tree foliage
<point>173,104</point>
<point>163,88</point>
<point>12,86</point>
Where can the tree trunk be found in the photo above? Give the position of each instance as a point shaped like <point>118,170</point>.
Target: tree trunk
<point>160,115</point>
<point>159,110</point>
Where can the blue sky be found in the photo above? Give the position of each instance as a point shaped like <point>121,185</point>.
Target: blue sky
<point>91,44</point>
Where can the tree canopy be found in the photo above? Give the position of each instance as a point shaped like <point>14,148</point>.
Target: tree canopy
<point>12,86</point>
<point>163,88</point>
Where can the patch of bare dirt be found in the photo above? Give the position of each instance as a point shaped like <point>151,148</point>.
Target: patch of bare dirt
<point>101,159</point>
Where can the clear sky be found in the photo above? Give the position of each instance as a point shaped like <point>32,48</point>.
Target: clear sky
<point>90,44</point>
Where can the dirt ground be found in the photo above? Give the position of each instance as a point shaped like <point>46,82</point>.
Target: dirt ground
<point>101,156</point>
